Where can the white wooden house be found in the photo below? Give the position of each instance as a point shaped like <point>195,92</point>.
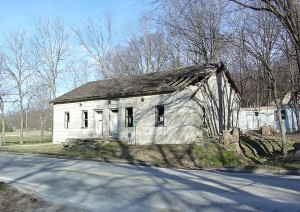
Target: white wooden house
<point>253,118</point>
<point>173,106</point>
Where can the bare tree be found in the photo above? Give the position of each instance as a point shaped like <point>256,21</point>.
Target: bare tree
<point>51,48</point>
<point>287,13</point>
<point>2,121</point>
<point>79,72</point>
<point>17,66</point>
<point>259,36</point>
<point>97,42</point>
<point>2,93</point>
<point>150,49</point>
<point>288,55</point>
<point>41,109</point>
<point>198,25</point>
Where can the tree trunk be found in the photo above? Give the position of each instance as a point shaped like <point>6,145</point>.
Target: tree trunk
<point>42,128</point>
<point>26,121</point>
<point>21,120</point>
<point>294,98</point>
<point>53,90</point>
<point>3,122</point>
<point>297,88</point>
<point>296,112</point>
<point>282,126</point>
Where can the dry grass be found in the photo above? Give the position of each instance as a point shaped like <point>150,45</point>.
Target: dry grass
<point>265,151</point>
<point>259,152</point>
<point>12,199</point>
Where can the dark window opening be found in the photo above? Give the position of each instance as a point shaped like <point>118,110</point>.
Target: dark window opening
<point>275,115</point>
<point>84,119</point>
<point>198,79</point>
<point>204,117</point>
<point>283,114</point>
<point>67,119</point>
<point>129,117</point>
<point>256,113</point>
<point>159,119</point>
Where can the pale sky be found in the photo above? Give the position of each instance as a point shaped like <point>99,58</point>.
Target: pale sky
<point>21,13</point>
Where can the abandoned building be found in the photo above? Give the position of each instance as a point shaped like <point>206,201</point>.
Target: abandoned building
<point>173,106</point>
<point>253,118</point>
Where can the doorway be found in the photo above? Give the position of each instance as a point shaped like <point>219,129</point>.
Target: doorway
<point>113,123</point>
<point>249,121</point>
<point>99,123</point>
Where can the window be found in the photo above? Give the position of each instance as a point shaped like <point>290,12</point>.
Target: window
<point>204,116</point>
<point>275,115</point>
<point>283,114</point>
<point>67,120</point>
<point>84,119</point>
<point>159,113</point>
<point>129,117</point>
<point>256,113</point>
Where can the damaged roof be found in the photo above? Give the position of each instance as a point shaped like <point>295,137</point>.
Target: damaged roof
<point>143,84</point>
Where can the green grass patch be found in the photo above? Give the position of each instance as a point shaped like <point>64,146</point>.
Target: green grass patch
<point>32,137</point>
<point>3,187</point>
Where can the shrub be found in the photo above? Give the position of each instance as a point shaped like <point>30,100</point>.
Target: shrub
<point>8,128</point>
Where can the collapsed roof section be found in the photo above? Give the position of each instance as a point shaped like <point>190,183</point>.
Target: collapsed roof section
<point>137,85</point>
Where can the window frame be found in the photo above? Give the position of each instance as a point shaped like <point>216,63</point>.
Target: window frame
<point>67,120</point>
<point>128,117</point>
<point>85,119</point>
<point>276,116</point>
<point>283,114</point>
<point>158,116</point>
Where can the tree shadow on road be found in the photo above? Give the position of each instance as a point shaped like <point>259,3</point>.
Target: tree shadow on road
<point>133,188</point>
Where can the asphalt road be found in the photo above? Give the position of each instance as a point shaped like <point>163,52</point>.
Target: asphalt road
<point>97,186</point>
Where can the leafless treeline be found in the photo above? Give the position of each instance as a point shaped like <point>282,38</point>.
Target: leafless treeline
<point>258,40</point>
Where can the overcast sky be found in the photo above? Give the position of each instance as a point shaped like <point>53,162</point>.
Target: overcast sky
<point>21,13</point>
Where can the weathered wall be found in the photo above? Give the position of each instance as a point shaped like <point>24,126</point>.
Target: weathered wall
<point>177,129</point>
<point>183,118</point>
<point>266,116</point>
<point>218,103</point>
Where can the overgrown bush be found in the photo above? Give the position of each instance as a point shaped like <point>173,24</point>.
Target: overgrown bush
<point>8,128</point>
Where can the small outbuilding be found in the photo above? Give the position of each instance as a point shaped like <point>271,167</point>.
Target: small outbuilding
<point>173,106</point>
<point>254,118</point>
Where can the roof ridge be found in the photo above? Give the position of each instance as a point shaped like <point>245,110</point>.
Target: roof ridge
<point>140,84</point>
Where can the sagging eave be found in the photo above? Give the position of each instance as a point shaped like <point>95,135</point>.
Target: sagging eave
<point>114,96</point>
<point>222,68</point>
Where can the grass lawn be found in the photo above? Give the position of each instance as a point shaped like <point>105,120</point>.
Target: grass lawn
<point>259,152</point>
<point>31,137</point>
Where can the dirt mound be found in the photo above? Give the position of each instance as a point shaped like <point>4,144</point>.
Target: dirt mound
<point>13,199</point>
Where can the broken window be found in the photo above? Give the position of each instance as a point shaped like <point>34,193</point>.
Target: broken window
<point>67,119</point>
<point>204,116</point>
<point>129,117</point>
<point>275,115</point>
<point>84,119</point>
<point>283,114</point>
<point>159,113</point>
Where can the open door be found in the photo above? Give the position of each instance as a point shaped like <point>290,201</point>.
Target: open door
<point>99,123</point>
<point>113,123</point>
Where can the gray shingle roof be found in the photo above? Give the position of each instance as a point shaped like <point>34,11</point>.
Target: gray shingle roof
<point>135,85</point>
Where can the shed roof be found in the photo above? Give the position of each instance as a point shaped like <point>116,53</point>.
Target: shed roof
<point>135,85</point>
